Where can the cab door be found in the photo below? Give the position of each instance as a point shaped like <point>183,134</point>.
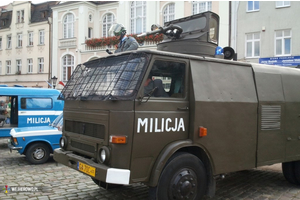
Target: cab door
<point>161,113</point>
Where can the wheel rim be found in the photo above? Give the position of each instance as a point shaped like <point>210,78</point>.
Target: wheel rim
<point>183,185</point>
<point>38,153</point>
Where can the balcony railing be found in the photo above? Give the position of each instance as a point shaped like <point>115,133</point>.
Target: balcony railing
<point>67,43</point>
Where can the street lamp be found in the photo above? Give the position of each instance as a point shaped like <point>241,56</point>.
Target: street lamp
<point>54,79</point>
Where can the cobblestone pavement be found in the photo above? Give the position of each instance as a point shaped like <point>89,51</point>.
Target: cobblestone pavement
<point>266,183</point>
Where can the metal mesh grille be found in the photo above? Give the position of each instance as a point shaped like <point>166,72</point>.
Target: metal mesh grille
<point>116,77</point>
<point>84,147</point>
<point>270,117</point>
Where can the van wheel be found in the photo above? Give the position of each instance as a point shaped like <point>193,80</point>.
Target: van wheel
<point>288,170</point>
<point>38,153</point>
<point>106,186</point>
<point>183,177</point>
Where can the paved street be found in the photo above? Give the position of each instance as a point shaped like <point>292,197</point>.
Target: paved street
<point>60,182</point>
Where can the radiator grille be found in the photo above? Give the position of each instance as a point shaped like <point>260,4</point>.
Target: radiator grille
<point>88,129</point>
<point>271,117</point>
<point>84,147</point>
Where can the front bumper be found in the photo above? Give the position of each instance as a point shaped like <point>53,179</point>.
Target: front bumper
<point>12,147</point>
<point>103,172</point>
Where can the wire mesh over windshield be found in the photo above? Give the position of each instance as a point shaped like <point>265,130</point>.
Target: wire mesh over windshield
<point>116,77</point>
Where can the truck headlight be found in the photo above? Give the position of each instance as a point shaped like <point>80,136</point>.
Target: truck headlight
<point>63,142</point>
<point>103,155</point>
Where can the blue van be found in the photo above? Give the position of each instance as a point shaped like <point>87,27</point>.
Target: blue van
<point>27,107</point>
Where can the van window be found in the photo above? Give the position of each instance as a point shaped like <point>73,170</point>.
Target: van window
<point>36,103</point>
<point>167,77</point>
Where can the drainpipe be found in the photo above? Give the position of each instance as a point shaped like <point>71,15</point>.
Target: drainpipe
<point>229,37</point>
<point>50,47</point>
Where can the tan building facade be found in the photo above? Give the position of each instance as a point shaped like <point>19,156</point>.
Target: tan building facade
<point>75,22</point>
<point>25,40</point>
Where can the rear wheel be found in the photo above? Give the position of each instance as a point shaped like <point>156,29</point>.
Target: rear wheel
<point>184,177</point>
<point>288,170</point>
<point>297,171</point>
<point>38,153</point>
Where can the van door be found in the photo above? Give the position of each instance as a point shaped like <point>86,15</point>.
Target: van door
<point>14,111</point>
<point>36,111</point>
<point>162,115</point>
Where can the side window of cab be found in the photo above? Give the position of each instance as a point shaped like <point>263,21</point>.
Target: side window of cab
<point>166,79</point>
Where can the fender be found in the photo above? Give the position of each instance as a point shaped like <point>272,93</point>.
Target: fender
<point>37,141</point>
<point>163,158</point>
<point>169,150</point>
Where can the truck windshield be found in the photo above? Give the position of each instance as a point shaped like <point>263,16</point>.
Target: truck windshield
<point>112,78</point>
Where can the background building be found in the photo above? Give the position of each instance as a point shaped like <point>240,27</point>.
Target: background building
<point>268,32</point>
<point>25,43</point>
<point>40,41</point>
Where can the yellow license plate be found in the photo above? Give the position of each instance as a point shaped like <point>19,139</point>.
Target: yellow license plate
<point>86,169</point>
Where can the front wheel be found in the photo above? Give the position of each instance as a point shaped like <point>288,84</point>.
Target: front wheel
<point>38,153</point>
<point>183,177</point>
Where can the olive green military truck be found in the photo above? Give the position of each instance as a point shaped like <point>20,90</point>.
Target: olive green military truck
<point>177,117</point>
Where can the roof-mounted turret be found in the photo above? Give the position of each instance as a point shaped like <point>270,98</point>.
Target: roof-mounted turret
<point>194,35</point>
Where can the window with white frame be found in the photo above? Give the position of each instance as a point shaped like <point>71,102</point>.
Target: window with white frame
<point>19,66</point>
<point>41,37</point>
<point>68,66</point>
<point>138,16</point>
<point>169,12</point>
<point>8,42</point>
<point>283,42</point>
<point>30,65</point>
<point>108,21</point>
<point>201,6</point>
<point>20,16</point>
<point>90,32</point>
<point>252,45</point>
<point>280,4</point>
<point>40,65</point>
<point>30,38</point>
<point>252,6</point>
<point>8,67</point>
<point>69,26</point>
<point>19,36</point>
<point>0,43</point>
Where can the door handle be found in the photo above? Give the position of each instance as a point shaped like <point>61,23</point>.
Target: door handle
<point>184,108</point>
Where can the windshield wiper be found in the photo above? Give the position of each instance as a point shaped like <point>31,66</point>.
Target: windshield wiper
<point>148,95</point>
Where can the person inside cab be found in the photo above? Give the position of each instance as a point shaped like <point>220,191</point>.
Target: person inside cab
<point>126,43</point>
<point>154,87</point>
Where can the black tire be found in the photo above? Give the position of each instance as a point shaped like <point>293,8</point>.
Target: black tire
<point>288,170</point>
<point>38,153</point>
<point>183,177</point>
<point>106,186</point>
<point>297,171</point>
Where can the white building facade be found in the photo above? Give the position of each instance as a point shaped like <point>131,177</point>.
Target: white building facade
<point>25,44</point>
<point>268,32</point>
